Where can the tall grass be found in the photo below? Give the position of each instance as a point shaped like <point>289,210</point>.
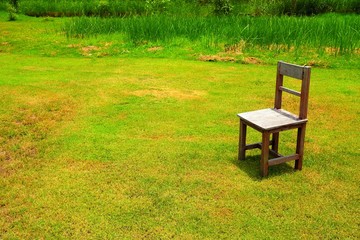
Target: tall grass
<point>81,8</point>
<point>341,34</point>
<point>183,7</point>
<point>106,8</point>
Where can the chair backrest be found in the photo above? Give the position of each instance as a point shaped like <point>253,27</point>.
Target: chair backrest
<point>298,72</point>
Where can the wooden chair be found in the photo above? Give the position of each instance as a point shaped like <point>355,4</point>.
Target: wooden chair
<point>274,120</point>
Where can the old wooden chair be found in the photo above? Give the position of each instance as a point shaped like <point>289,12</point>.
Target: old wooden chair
<point>274,120</point>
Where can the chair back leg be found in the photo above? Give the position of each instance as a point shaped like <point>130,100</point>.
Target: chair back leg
<point>300,146</point>
<point>275,142</point>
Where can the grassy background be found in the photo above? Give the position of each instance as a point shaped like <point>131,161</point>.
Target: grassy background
<point>98,146</point>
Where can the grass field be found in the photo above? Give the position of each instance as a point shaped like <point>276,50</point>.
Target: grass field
<point>130,146</point>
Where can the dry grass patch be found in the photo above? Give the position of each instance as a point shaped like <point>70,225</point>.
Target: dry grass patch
<point>170,93</point>
<point>236,48</point>
<point>251,60</point>
<point>89,50</point>
<point>216,58</point>
<point>29,121</point>
<point>155,49</point>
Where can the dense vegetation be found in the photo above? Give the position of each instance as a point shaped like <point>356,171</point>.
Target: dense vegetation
<point>330,33</point>
<point>181,7</point>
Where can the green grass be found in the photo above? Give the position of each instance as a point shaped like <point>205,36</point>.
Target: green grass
<point>130,146</point>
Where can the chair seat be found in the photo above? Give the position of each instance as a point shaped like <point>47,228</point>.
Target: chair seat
<point>270,119</point>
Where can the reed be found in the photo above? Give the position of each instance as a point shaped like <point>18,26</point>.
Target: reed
<point>339,33</point>
<point>183,7</point>
<point>61,8</point>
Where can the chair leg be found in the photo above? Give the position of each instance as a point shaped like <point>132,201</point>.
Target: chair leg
<point>300,147</point>
<point>242,141</point>
<point>275,142</point>
<point>264,162</point>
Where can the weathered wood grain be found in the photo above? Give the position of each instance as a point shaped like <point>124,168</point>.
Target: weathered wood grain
<point>270,118</point>
<point>288,90</point>
<point>291,70</point>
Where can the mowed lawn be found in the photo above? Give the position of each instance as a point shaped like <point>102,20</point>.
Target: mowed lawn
<point>133,148</point>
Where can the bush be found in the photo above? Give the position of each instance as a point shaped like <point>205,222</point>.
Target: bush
<point>157,6</point>
<point>355,6</point>
<point>222,7</point>
<point>301,7</point>
<point>103,8</point>
<point>15,4</point>
<point>12,12</point>
<point>312,7</point>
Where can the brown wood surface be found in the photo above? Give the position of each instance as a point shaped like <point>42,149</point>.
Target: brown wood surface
<point>304,99</point>
<point>283,159</point>
<point>269,118</point>
<point>242,141</point>
<point>300,147</point>
<point>252,146</point>
<point>291,70</point>
<point>275,142</point>
<point>288,90</point>
<point>264,161</point>
<point>275,153</point>
<point>279,83</point>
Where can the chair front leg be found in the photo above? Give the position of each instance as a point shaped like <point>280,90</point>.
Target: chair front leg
<point>242,141</point>
<point>264,162</point>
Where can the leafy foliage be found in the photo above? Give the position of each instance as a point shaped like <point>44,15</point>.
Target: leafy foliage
<point>12,11</point>
<point>103,8</point>
<point>157,6</point>
<point>222,7</point>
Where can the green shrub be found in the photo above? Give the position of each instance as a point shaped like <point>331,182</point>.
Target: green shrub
<point>300,7</point>
<point>222,7</point>
<point>312,7</point>
<point>12,12</point>
<point>15,4</point>
<point>355,6</point>
<point>103,8</point>
<point>157,6</point>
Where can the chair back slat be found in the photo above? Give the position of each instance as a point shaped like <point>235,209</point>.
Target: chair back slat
<point>298,72</point>
<point>291,70</point>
